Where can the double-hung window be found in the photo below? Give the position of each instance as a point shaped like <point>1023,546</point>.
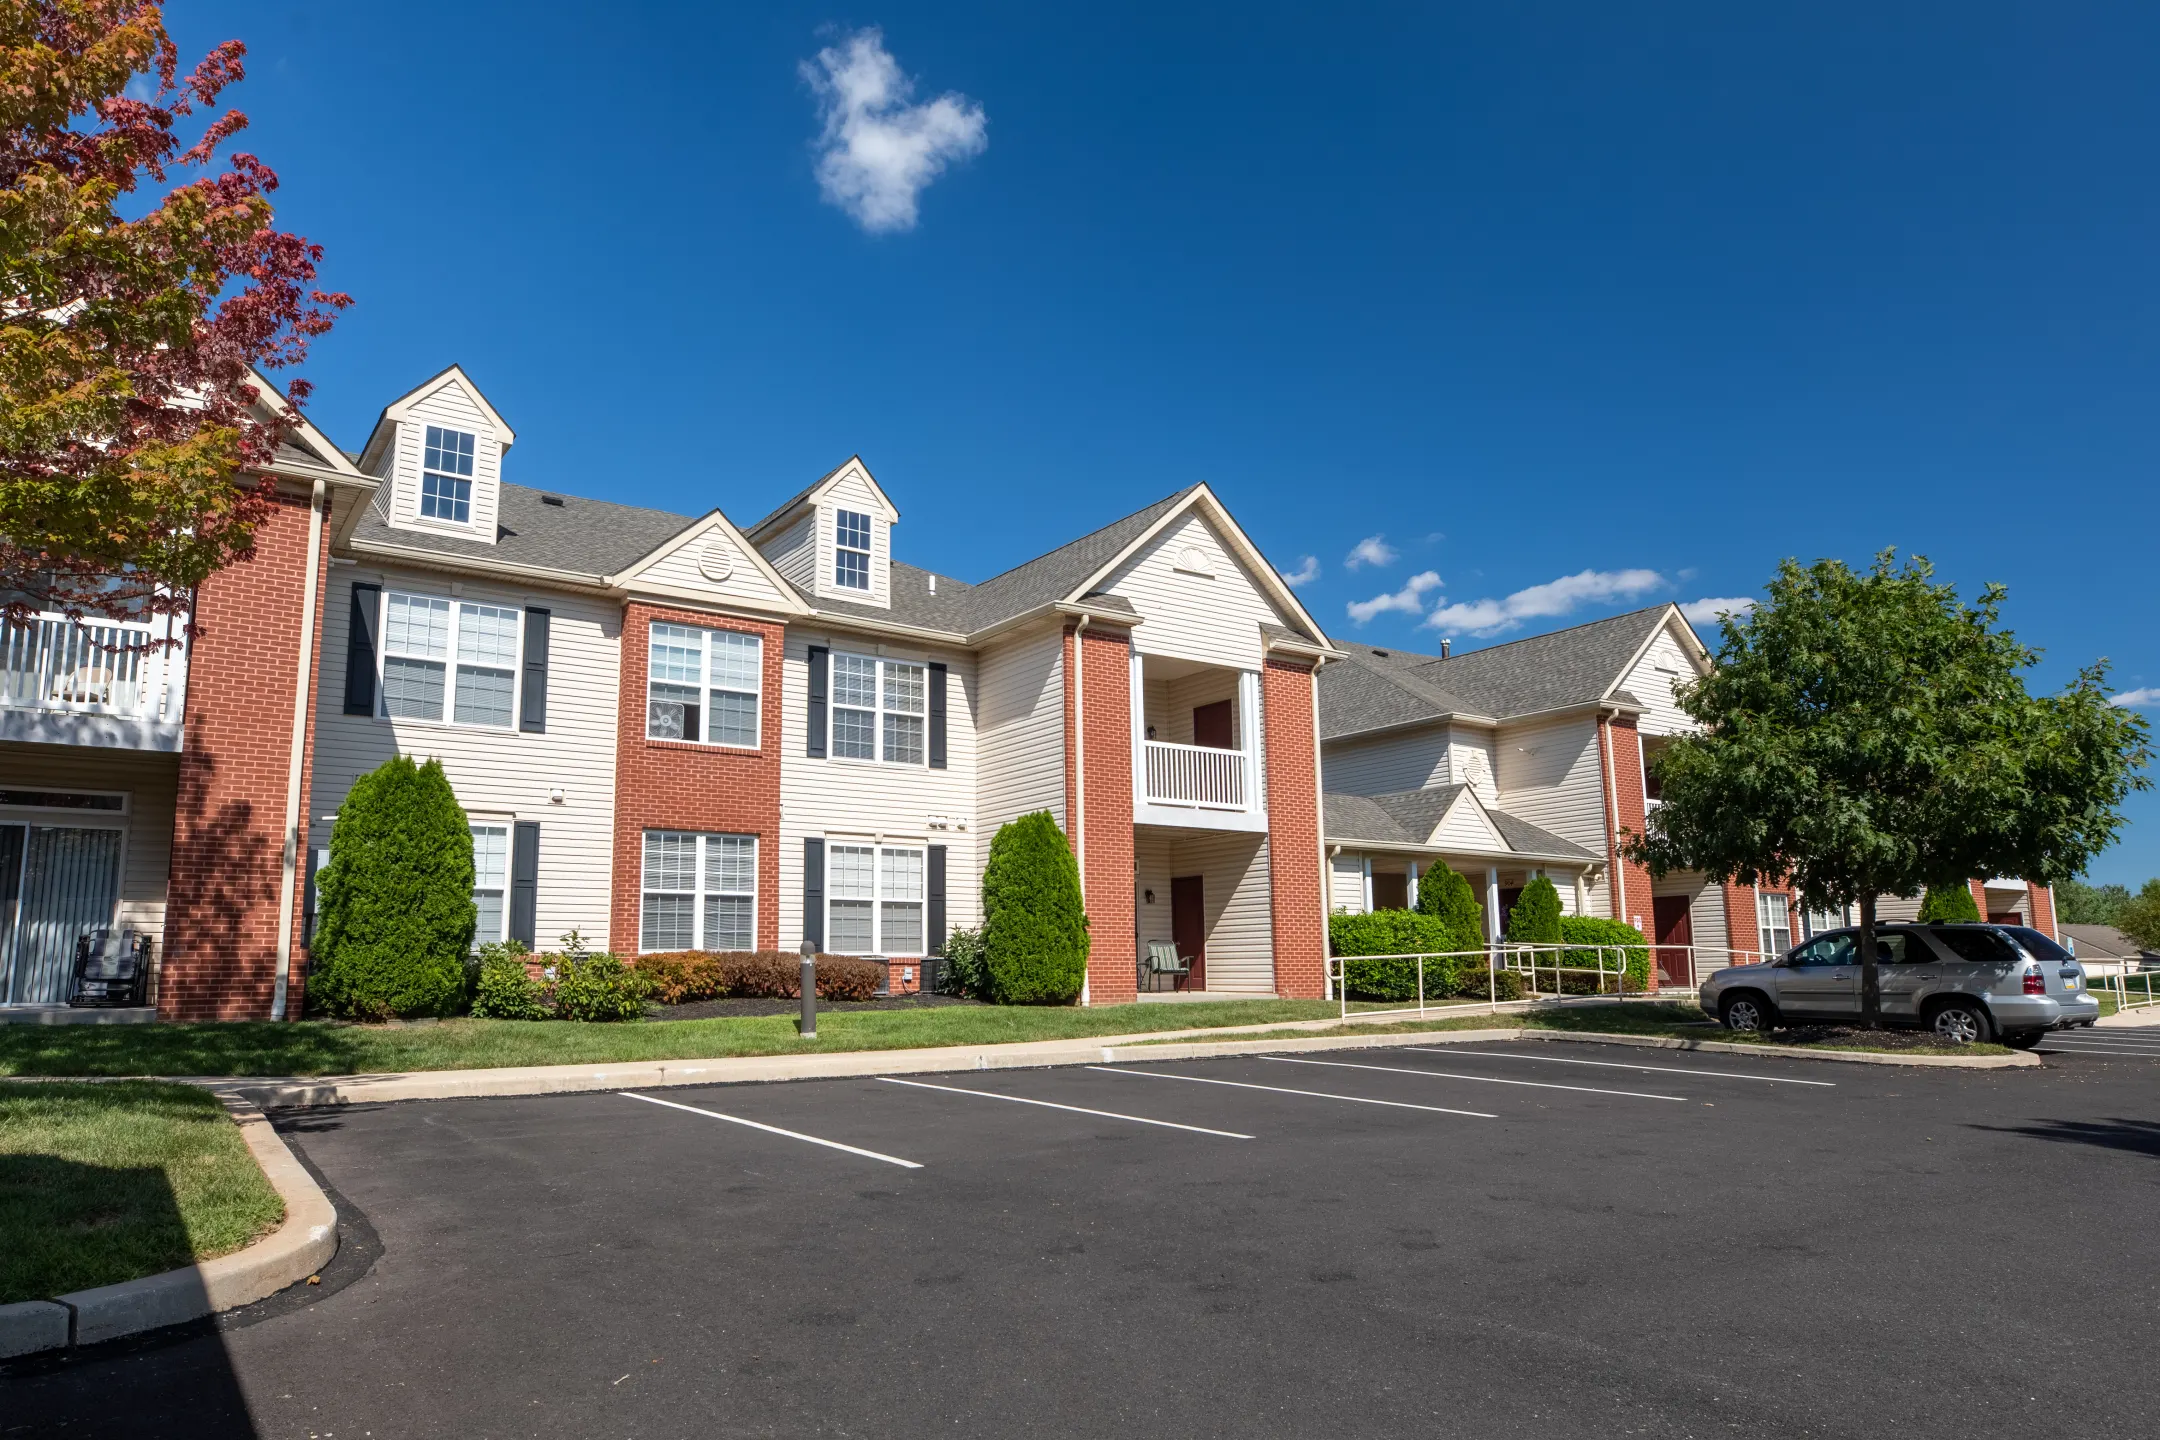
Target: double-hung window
<point>425,637</point>
<point>874,899</point>
<point>704,685</point>
<point>700,892</point>
<point>1773,915</point>
<point>851,550</point>
<point>491,880</point>
<point>446,467</point>
<point>879,709</point>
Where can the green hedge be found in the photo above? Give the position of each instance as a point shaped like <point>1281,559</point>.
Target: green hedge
<point>1035,927</point>
<point>1445,893</point>
<point>1951,903</point>
<point>1370,946</point>
<point>1591,930</point>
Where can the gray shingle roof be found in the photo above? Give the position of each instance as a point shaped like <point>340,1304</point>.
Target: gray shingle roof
<point>1379,687</point>
<point>1407,818</point>
<point>579,537</point>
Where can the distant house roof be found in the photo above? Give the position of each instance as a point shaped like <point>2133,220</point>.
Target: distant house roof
<point>1380,687</point>
<point>2105,942</point>
<point>1406,819</point>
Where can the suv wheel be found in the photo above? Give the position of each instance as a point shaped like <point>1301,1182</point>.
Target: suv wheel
<point>1747,1013</point>
<point>1961,1023</point>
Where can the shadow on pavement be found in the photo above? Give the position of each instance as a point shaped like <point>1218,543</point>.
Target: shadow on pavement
<point>2139,1137</point>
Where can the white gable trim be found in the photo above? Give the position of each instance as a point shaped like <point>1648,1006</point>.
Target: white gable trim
<point>399,408</point>
<point>780,519</point>
<point>1677,623</point>
<point>1241,545</point>
<point>1477,812</point>
<point>787,602</point>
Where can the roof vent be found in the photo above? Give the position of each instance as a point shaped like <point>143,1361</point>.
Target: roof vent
<point>555,500</point>
<point>1445,647</point>
<point>1381,653</point>
<point>933,584</point>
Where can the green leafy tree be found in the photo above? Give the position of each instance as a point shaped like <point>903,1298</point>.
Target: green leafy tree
<point>2139,916</point>
<point>1035,928</point>
<point>2077,903</point>
<point>1535,919</point>
<point>397,905</point>
<point>1948,902</point>
<point>1866,734</point>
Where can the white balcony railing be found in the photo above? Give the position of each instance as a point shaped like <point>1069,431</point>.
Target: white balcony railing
<point>1196,775</point>
<point>96,668</point>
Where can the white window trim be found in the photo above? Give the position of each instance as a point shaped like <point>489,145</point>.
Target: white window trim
<point>1765,931</point>
<point>450,661</point>
<point>833,707</point>
<point>509,834</point>
<point>705,688</point>
<point>877,848</point>
<point>700,893</point>
<point>868,550</point>
<point>471,522</point>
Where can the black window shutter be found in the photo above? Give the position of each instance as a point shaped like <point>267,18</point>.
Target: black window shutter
<point>360,651</point>
<point>813,891</point>
<point>525,881</point>
<point>532,706</point>
<point>935,891</point>
<point>937,716</point>
<point>819,662</point>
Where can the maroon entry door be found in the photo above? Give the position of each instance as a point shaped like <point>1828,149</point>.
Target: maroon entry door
<point>1669,917</point>
<point>1211,725</point>
<point>1188,927</point>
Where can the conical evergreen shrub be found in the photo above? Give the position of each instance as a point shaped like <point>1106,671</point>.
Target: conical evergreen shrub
<point>1447,894</point>
<point>1535,920</point>
<point>1951,902</point>
<point>1035,929</point>
<point>397,914</point>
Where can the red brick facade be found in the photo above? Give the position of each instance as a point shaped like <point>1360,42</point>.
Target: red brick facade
<point>2040,907</point>
<point>1742,934</point>
<point>229,840</point>
<point>677,785</point>
<point>1622,753</point>
<point>1098,675</point>
<point>1286,699</point>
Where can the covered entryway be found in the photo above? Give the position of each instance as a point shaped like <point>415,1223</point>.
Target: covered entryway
<point>1188,926</point>
<point>1207,892</point>
<point>56,882</point>
<point>1675,938</point>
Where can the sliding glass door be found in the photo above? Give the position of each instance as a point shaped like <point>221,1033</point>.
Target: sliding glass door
<point>56,882</point>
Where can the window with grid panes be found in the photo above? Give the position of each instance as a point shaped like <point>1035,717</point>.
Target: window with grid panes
<point>491,880</point>
<point>880,709</point>
<point>1773,916</point>
<point>700,892</point>
<point>704,685</point>
<point>851,550</point>
<point>874,896</point>
<point>446,467</point>
<point>437,652</point>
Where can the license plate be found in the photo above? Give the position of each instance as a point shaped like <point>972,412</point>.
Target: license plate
<point>2070,984</point>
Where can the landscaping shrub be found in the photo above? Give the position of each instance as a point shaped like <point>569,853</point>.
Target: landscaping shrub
<point>682,976</point>
<point>679,977</point>
<point>1035,928</point>
<point>1369,945</point>
<point>397,914</point>
<point>1449,895</point>
<point>1594,930</point>
<point>966,970</point>
<point>505,989</point>
<point>589,986</point>
<point>1950,903</point>
<point>1535,920</point>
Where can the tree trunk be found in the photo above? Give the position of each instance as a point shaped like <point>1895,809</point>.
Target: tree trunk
<point>1870,978</point>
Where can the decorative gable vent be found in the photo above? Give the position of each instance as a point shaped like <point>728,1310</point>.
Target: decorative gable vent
<point>717,560</point>
<point>1193,560</point>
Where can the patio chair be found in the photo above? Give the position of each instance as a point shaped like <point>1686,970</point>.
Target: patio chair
<point>1163,960</point>
<point>111,968</point>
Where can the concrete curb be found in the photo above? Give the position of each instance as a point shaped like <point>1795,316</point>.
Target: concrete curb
<point>32,1325</point>
<point>295,1250</point>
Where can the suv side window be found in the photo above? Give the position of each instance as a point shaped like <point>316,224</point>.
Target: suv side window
<point>1896,947</point>
<point>1828,950</point>
<point>2041,947</point>
<point>1982,947</point>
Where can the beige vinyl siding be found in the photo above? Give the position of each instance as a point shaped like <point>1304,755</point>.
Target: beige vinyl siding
<point>1213,618</point>
<point>1407,760</point>
<point>1548,773</point>
<point>1706,917</point>
<point>794,552</point>
<point>1170,704</point>
<point>151,782</point>
<point>1019,719</point>
<point>1901,909</point>
<point>680,570</point>
<point>1346,883</point>
<point>870,800</point>
<point>1233,871</point>
<point>1663,665</point>
<point>1472,762</point>
<point>500,775</point>
<point>1465,827</point>
<point>451,407</point>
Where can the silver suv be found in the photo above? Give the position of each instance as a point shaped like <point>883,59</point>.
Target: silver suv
<point>1964,982</point>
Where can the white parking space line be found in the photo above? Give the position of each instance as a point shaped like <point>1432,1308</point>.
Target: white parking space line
<point>1076,1109</point>
<point>1617,1065</point>
<point>1283,1090</point>
<point>774,1130</point>
<point>2053,1047</point>
<point>1479,1079</point>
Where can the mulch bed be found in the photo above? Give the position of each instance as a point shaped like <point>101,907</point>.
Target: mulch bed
<point>1885,1039</point>
<point>716,1009</point>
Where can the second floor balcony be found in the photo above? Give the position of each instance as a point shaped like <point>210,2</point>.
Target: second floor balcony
<point>1197,760</point>
<point>92,682</point>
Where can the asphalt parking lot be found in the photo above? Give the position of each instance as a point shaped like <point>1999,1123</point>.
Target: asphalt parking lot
<point>1528,1239</point>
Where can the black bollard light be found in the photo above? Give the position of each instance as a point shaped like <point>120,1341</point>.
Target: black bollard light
<point>808,1026</point>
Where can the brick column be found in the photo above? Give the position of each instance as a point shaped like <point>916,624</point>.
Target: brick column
<point>1098,669</point>
<point>221,907</point>
<point>1293,801</point>
<point>1630,883</point>
<point>1741,932</point>
<point>677,785</point>
<point>1979,894</point>
<point>2040,908</point>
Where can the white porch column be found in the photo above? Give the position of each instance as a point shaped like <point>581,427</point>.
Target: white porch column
<point>1413,884</point>
<point>1248,699</point>
<point>1368,884</point>
<point>1492,903</point>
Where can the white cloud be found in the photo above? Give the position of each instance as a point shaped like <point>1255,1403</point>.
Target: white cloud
<point>1706,610</point>
<point>1372,550</point>
<point>1554,597</point>
<point>877,152</point>
<point>2136,698</point>
<point>1410,600</point>
<point>1308,570</point>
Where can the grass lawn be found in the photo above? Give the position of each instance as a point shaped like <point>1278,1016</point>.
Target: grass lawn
<point>1680,1021</point>
<point>102,1183</point>
<point>311,1047</point>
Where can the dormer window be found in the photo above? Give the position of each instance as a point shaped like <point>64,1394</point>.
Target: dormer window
<point>446,476</point>
<point>851,550</point>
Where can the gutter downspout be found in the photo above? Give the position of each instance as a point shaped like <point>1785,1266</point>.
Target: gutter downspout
<point>1327,977</point>
<point>1080,766</point>
<point>289,867</point>
<point>1615,877</point>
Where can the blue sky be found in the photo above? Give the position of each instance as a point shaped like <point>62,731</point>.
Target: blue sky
<point>1637,299</point>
